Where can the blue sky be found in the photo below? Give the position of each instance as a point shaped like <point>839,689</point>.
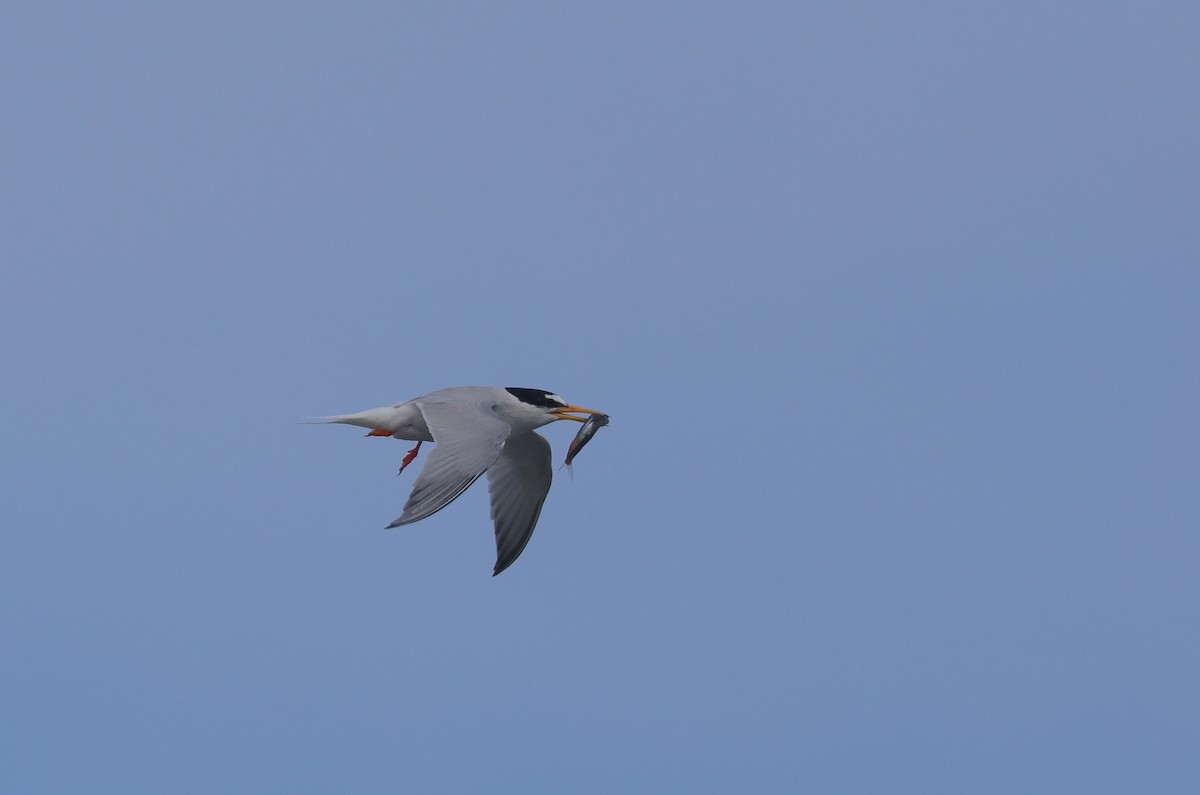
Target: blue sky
<point>894,310</point>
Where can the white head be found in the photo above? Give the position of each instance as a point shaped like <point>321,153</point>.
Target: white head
<point>550,403</point>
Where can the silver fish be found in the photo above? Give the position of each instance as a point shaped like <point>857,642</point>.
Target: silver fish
<point>586,432</point>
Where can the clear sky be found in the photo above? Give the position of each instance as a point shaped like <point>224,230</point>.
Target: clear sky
<point>895,309</point>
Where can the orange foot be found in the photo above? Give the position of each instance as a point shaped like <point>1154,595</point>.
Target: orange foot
<point>380,432</point>
<point>408,459</point>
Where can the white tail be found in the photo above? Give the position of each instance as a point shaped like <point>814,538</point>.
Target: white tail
<point>384,417</point>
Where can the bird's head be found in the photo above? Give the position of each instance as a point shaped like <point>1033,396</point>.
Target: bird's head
<point>551,404</point>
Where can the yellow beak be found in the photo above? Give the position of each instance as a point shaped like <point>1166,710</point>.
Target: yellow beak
<point>565,413</point>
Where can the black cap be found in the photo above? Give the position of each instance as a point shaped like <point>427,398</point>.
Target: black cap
<point>537,397</point>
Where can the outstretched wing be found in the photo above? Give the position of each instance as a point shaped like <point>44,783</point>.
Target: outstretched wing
<point>518,483</point>
<point>469,437</point>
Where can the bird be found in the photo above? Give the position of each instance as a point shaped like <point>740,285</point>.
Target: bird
<point>476,429</point>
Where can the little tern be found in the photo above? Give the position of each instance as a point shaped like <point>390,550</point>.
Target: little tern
<point>477,429</point>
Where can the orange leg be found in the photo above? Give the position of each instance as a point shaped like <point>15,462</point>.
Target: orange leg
<point>408,459</point>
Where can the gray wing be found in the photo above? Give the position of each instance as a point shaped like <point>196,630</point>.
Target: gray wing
<point>518,483</point>
<point>469,438</point>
